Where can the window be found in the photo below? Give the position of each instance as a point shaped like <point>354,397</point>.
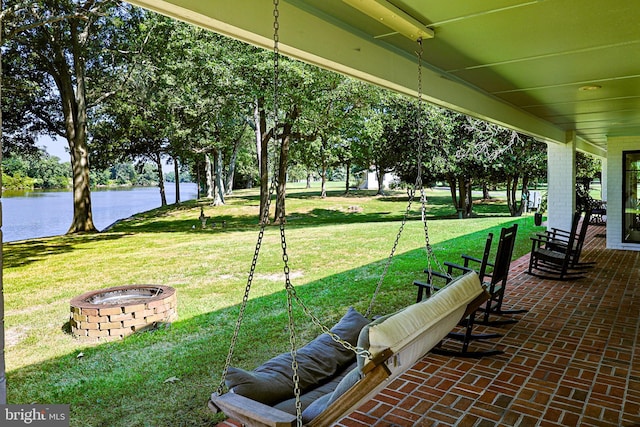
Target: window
<point>631,180</point>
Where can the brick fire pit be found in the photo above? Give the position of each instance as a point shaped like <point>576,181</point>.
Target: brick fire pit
<point>122,310</point>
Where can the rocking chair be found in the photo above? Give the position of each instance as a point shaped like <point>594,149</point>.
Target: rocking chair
<point>495,285</point>
<point>557,239</point>
<point>555,255</point>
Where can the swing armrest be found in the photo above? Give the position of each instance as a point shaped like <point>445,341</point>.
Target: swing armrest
<point>250,412</point>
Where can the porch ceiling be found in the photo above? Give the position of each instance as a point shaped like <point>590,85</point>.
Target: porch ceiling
<point>520,63</point>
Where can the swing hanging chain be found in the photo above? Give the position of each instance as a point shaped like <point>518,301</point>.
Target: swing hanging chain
<point>285,256</point>
<point>419,184</point>
<point>393,251</point>
<point>431,257</point>
<point>236,332</point>
<point>264,220</point>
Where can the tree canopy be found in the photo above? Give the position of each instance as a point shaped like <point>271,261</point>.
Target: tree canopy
<point>124,85</point>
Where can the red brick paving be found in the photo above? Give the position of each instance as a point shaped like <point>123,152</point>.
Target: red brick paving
<point>570,360</point>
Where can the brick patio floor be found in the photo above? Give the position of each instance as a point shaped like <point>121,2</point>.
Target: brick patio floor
<point>569,361</point>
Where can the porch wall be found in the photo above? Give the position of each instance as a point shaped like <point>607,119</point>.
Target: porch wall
<point>615,147</point>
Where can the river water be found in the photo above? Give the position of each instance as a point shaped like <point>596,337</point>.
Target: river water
<point>32,214</point>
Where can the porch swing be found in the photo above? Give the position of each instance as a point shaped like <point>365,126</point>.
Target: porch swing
<point>351,362</point>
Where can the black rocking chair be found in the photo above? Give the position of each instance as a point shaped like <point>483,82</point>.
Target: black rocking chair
<point>555,255</point>
<point>495,286</point>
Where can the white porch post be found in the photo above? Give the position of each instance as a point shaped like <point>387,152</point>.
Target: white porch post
<point>603,180</point>
<point>561,178</point>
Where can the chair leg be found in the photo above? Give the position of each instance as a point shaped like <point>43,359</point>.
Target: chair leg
<point>466,337</point>
<point>496,310</point>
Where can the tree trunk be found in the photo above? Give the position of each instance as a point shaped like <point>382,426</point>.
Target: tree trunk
<point>462,197</point>
<point>163,193</point>
<point>198,180</point>
<point>347,167</point>
<point>323,186</point>
<point>74,106</point>
<point>209,176</point>
<point>469,199</point>
<point>282,177</point>
<point>308,179</point>
<point>525,191</point>
<point>281,193</point>
<point>231,171</point>
<point>453,189</point>
<point>262,143</point>
<point>176,174</point>
<point>512,183</point>
<point>380,178</point>
<point>218,199</point>
<point>485,191</point>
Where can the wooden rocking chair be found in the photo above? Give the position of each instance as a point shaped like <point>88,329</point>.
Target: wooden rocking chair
<point>558,258</point>
<point>495,283</point>
<point>557,239</point>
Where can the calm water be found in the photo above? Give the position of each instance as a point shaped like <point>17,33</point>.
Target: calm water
<point>31,214</point>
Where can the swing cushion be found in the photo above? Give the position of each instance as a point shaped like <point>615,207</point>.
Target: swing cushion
<point>313,395</point>
<point>318,361</point>
<point>425,323</point>
<point>409,333</point>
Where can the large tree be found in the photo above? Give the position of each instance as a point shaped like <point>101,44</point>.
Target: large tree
<point>134,123</point>
<point>60,59</point>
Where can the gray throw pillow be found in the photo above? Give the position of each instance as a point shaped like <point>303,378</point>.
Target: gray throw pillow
<point>319,405</point>
<point>318,361</point>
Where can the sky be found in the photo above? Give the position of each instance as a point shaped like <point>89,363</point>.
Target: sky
<point>55,147</point>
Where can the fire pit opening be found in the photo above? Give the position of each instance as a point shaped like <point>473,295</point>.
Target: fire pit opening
<point>122,310</point>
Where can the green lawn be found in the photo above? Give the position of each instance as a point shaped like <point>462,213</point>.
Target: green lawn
<point>337,248</point>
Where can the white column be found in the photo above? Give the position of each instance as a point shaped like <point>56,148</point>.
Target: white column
<point>561,179</point>
<point>603,180</point>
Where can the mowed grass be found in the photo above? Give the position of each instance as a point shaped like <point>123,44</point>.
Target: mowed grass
<point>337,249</point>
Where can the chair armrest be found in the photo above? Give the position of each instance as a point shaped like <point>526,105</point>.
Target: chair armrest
<point>424,289</point>
<point>452,266</point>
<point>438,274</point>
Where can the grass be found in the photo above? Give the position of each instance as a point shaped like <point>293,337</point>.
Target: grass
<point>337,248</point>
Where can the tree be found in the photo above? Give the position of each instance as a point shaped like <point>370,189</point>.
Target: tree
<point>59,59</point>
<point>500,154</point>
<point>587,168</point>
<point>323,123</point>
<point>207,100</point>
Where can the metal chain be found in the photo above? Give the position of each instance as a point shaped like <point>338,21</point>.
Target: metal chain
<point>423,198</point>
<point>285,257</point>
<point>393,251</point>
<point>263,223</point>
<point>264,219</point>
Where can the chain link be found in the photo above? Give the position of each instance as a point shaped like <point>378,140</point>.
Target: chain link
<point>283,240</point>
<point>291,292</point>
<point>234,339</point>
<point>393,251</point>
<point>431,257</point>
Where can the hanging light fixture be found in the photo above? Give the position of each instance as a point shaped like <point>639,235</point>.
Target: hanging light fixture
<point>393,17</point>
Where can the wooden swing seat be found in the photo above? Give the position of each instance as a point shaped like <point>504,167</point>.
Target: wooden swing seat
<point>396,342</point>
